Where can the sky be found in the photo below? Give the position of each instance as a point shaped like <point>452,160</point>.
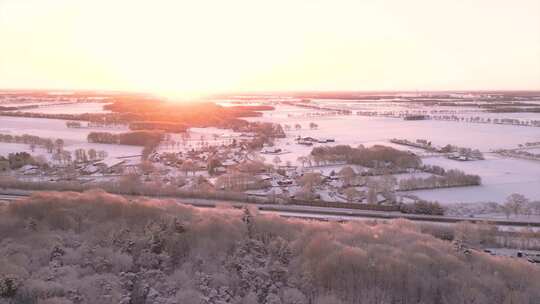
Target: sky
<point>176,47</point>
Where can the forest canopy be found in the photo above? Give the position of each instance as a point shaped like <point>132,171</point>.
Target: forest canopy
<point>94,247</point>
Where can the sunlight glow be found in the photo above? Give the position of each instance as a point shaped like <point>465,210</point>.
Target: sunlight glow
<point>173,47</point>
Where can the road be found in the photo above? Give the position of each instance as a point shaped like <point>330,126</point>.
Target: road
<point>316,213</point>
<point>9,198</point>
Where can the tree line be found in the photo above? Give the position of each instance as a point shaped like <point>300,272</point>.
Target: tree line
<point>135,138</point>
<point>377,156</point>
<point>446,178</point>
<point>49,144</point>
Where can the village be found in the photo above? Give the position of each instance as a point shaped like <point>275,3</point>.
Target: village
<point>293,153</point>
<point>236,163</point>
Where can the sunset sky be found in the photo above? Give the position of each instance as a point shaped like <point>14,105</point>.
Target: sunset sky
<point>171,47</point>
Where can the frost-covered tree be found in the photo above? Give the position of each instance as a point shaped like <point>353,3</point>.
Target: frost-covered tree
<point>94,247</point>
<point>347,174</point>
<point>92,154</point>
<point>515,203</point>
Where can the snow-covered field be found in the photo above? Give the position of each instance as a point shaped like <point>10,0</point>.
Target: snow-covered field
<point>73,108</point>
<point>500,176</point>
<point>74,138</point>
<point>354,130</point>
<point>113,151</point>
<point>461,111</point>
<point>49,128</point>
<point>6,148</point>
<point>197,136</point>
<point>533,150</point>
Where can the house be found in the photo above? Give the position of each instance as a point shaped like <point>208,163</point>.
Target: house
<point>271,150</point>
<point>415,117</point>
<point>29,170</point>
<point>264,177</point>
<point>284,182</point>
<point>305,142</point>
<point>329,140</point>
<point>220,170</point>
<point>457,156</point>
<point>532,256</point>
<point>228,163</point>
<point>90,169</point>
<point>380,199</point>
<point>265,193</point>
<point>199,184</point>
<point>116,167</point>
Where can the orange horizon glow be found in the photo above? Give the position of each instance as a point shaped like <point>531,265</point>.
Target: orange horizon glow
<point>190,48</point>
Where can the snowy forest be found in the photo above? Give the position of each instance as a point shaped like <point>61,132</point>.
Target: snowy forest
<point>95,247</point>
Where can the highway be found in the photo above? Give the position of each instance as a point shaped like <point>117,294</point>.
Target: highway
<point>315,213</point>
<point>9,198</point>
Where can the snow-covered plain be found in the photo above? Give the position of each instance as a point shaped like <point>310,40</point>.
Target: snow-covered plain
<point>72,108</point>
<point>74,138</point>
<point>391,105</point>
<point>354,130</point>
<point>49,128</point>
<point>500,176</point>
<point>197,136</point>
<point>113,151</point>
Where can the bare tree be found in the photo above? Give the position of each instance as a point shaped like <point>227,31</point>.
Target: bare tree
<point>276,161</point>
<point>147,167</point>
<point>347,174</point>
<point>102,154</point>
<point>515,203</point>
<point>310,180</point>
<point>59,145</point>
<point>57,157</point>
<point>371,195</point>
<point>302,160</point>
<point>188,166</point>
<point>66,156</point>
<point>351,193</point>
<point>80,155</point>
<point>49,145</point>
<point>92,154</point>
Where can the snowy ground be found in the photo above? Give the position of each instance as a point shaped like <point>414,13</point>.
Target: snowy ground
<point>6,148</point>
<point>74,108</point>
<point>197,136</point>
<point>500,176</point>
<point>113,151</point>
<point>74,138</point>
<point>533,150</point>
<point>49,128</point>
<point>354,130</point>
<point>461,111</point>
